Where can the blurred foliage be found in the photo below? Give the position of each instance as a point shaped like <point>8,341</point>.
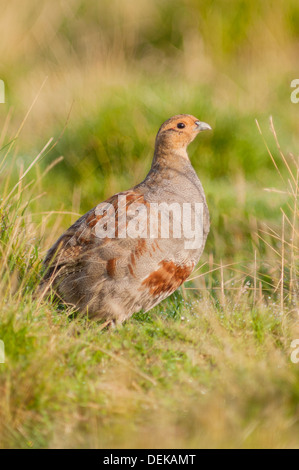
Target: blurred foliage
<point>103,76</point>
<point>122,67</point>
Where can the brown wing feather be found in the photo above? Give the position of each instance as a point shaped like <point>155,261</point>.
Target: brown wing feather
<point>81,238</point>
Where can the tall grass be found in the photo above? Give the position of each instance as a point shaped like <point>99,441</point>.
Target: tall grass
<point>211,365</point>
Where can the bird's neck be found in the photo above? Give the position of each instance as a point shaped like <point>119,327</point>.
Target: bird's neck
<point>170,165</point>
<point>168,156</point>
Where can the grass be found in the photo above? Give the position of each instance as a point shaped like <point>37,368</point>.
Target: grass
<point>210,366</point>
<point>201,379</point>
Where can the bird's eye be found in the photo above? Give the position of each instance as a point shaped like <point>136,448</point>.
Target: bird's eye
<point>181,125</point>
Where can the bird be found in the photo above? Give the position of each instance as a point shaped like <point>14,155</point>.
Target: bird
<point>133,250</point>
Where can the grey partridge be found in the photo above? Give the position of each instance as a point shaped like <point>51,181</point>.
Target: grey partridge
<point>136,248</point>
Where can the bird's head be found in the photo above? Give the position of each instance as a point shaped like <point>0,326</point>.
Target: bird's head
<point>177,132</point>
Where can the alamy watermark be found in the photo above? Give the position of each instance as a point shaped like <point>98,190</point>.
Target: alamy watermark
<point>126,219</point>
<point>295,352</point>
<point>2,352</point>
<point>2,92</point>
<point>295,93</point>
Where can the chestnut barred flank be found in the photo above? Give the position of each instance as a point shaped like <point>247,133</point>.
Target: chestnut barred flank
<point>167,278</point>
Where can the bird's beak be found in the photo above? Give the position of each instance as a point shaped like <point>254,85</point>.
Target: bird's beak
<point>202,126</point>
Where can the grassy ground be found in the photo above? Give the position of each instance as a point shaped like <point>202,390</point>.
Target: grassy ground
<point>211,365</point>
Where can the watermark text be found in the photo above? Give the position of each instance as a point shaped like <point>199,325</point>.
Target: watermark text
<point>295,93</point>
<point>126,219</point>
<point>295,352</point>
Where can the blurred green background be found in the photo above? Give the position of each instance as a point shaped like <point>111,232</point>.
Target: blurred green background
<point>210,369</point>
<point>122,67</point>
